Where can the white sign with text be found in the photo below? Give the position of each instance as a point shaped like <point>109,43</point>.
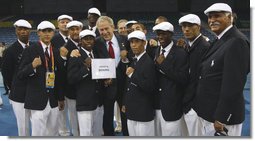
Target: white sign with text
<point>103,68</point>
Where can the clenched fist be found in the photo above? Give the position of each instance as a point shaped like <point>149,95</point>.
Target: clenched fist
<point>129,70</point>
<point>36,62</point>
<point>160,59</point>
<point>63,51</point>
<point>75,53</point>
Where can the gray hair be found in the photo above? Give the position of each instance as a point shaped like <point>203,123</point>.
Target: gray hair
<point>105,18</point>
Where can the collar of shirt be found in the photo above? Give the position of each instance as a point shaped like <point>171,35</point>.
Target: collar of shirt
<point>224,31</point>
<point>93,28</point>
<point>191,43</point>
<point>63,36</point>
<point>88,52</point>
<point>23,44</point>
<point>76,44</point>
<point>167,49</point>
<point>140,55</point>
<point>44,46</point>
<point>116,48</point>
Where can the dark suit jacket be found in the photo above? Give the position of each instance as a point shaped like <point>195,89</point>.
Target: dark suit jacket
<point>117,87</point>
<point>139,95</point>
<point>10,66</point>
<point>196,52</point>
<point>37,95</point>
<point>151,50</point>
<point>222,79</point>
<point>65,87</point>
<point>57,41</point>
<point>88,91</point>
<point>172,82</point>
<point>96,32</point>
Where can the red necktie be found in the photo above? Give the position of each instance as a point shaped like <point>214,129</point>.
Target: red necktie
<point>110,50</point>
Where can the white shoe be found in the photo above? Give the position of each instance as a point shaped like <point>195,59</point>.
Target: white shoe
<point>118,129</point>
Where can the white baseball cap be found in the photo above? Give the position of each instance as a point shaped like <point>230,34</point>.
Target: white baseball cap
<point>65,17</point>
<point>45,25</point>
<point>165,26</point>
<point>94,11</point>
<point>86,32</point>
<point>190,18</point>
<point>218,7</point>
<point>74,23</point>
<point>130,22</point>
<point>137,34</point>
<point>22,23</point>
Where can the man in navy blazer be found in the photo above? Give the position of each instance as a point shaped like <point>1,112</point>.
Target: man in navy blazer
<point>197,47</point>
<point>10,66</point>
<point>59,40</point>
<point>39,66</point>
<point>139,96</point>
<point>172,72</point>
<point>219,101</point>
<point>88,91</point>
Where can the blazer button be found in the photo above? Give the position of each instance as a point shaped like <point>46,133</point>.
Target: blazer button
<point>200,77</point>
<point>127,89</point>
<point>160,89</point>
<point>96,91</point>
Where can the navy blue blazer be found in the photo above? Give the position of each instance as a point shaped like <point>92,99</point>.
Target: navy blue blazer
<point>222,78</point>
<point>172,76</point>
<point>139,95</point>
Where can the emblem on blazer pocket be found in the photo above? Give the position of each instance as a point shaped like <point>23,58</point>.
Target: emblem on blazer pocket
<point>212,63</point>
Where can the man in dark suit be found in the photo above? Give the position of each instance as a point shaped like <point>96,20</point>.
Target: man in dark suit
<point>74,28</point>
<point>11,62</point>
<point>148,48</point>
<point>172,73</point>
<point>93,15</point>
<point>219,101</point>
<point>139,96</point>
<point>58,41</point>
<point>88,91</point>
<point>38,65</point>
<point>62,36</point>
<point>112,45</point>
<point>190,25</point>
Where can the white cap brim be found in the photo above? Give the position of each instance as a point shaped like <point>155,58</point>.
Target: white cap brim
<point>164,26</point>
<point>74,23</point>
<point>218,7</point>
<point>86,32</point>
<point>190,18</point>
<point>137,34</point>
<point>94,11</point>
<point>45,24</point>
<point>22,23</point>
<point>65,17</point>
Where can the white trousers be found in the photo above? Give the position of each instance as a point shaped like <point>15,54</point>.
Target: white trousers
<point>157,123</point>
<point>98,121</point>
<point>137,128</point>
<point>1,100</point>
<point>44,122</point>
<point>85,120</point>
<point>206,128</point>
<point>62,126</point>
<point>191,120</point>
<point>173,128</point>
<point>22,116</point>
<point>72,115</point>
<point>117,114</point>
